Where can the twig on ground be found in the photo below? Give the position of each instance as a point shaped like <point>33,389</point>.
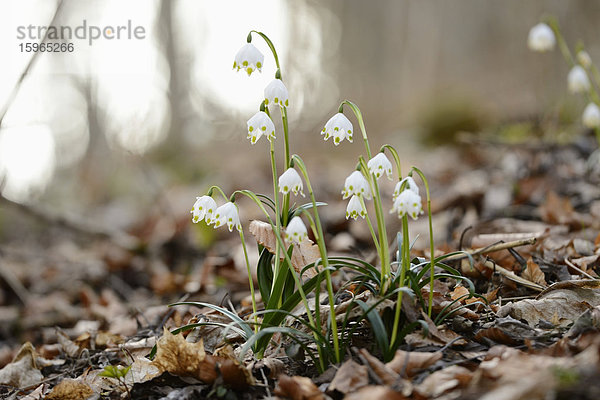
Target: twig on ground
<point>493,248</point>
<point>512,276</point>
<point>576,268</point>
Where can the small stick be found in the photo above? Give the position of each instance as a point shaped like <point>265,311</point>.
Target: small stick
<point>582,272</point>
<point>493,248</point>
<point>512,276</point>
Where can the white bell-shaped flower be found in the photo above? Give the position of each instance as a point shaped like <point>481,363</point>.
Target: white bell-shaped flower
<point>355,208</point>
<point>410,185</point>
<point>277,93</point>
<point>408,202</point>
<point>203,209</point>
<point>339,127</point>
<point>379,165</point>
<point>356,184</point>
<point>290,181</point>
<point>578,80</point>
<point>260,124</point>
<point>591,116</point>
<point>296,230</point>
<point>228,215</point>
<point>541,38</point>
<point>248,58</point>
<point>583,58</point>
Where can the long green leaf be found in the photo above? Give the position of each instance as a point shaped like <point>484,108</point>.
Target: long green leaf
<point>264,273</point>
<point>232,316</point>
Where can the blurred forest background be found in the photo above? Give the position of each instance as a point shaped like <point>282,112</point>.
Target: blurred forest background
<point>119,130</point>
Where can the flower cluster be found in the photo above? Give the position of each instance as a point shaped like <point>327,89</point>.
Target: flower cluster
<point>406,199</point>
<point>206,209</point>
<point>543,38</point>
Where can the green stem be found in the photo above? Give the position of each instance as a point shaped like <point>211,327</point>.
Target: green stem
<point>383,241</point>
<point>213,187</point>
<point>277,230</point>
<point>250,281</point>
<point>297,281</point>
<point>405,254</point>
<point>270,44</point>
<point>373,235</point>
<point>395,155</point>
<point>431,243</point>
<point>562,44</point>
<point>320,240</point>
<point>286,198</point>
<point>361,123</point>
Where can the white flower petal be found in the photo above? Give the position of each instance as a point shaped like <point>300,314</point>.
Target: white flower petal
<point>578,80</point>
<point>408,202</point>
<point>203,209</point>
<point>228,215</point>
<point>583,58</point>
<point>356,184</point>
<point>277,93</point>
<point>339,127</point>
<point>290,181</point>
<point>541,38</point>
<point>355,208</point>
<point>591,116</point>
<point>410,185</point>
<point>380,165</point>
<point>260,124</point>
<point>296,230</point>
<point>248,58</point>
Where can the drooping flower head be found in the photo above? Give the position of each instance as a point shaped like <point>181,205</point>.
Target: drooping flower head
<point>578,80</point>
<point>248,58</point>
<point>408,202</point>
<point>583,58</point>
<point>541,38</point>
<point>260,124</point>
<point>290,181</point>
<point>203,209</point>
<point>410,185</point>
<point>379,165</point>
<point>296,230</point>
<point>277,93</point>
<point>339,127</point>
<point>355,208</point>
<point>591,116</point>
<point>356,184</point>
<point>228,215</point>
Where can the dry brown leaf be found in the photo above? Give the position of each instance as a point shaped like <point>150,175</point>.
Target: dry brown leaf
<point>408,363</point>
<point>559,306</point>
<point>69,389</point>
<point>297,388</point>
<point>497,335</point>
<point>70,348</point>
<point>271,366</point>
<point>458,292</point>
<point>385,374</point>
<point>179,357</point>
<point>444,380</point>
<point>350,377</point>
<point>534,274</point>
<point>23,371</point>
<point>303,254</point>
<point>557,210</point>
<point>375,393</point>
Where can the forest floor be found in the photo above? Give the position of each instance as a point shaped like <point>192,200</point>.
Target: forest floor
<point>75,300</point>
